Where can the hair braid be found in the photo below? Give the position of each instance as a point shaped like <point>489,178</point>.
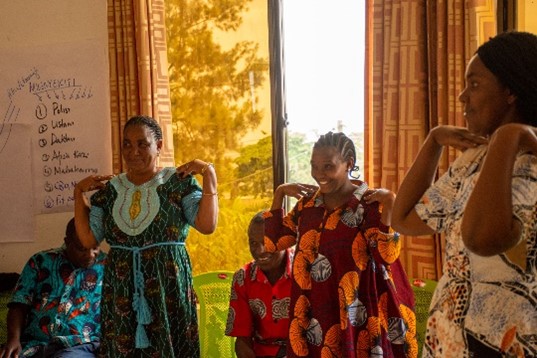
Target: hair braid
<point>342,143</point>
<point>146,121</point>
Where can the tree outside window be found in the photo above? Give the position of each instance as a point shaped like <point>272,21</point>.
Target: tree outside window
<point>218,56</point>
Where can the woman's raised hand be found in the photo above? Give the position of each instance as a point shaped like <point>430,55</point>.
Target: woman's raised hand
<point>457,137</point>
<point>193,167</point>
<point>385,198</point>
<point>297,190</point>
<point>382,195</point>
<point>524,136</point>
<point>93,182</point>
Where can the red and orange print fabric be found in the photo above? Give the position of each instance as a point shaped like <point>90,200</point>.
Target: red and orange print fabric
<point>350,296</point>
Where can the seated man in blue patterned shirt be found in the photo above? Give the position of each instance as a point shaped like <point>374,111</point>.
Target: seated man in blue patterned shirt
<point>55,308</point>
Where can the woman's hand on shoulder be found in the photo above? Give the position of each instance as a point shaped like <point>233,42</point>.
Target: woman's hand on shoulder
<point>296,190</point>
<point>457,137</point>
<point>524,135</point>
<point>385,198</point>
<point>196,166</point>
<point>92,182</point>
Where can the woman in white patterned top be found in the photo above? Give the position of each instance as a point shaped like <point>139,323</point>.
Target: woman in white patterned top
<point>485,303</point>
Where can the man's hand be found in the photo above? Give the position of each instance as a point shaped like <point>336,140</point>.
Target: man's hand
<point>11,349</point>
<point>244,347</point>
<point>16,319</point>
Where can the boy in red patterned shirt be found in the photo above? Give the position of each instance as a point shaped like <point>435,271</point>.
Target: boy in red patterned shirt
<point>260,297</point>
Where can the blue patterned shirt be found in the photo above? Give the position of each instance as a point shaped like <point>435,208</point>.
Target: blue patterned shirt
<point>64,300</point>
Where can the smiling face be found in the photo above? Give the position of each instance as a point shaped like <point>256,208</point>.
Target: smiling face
<point>140,149</point>
<point>329,169</point>
<point>267,262</point>
<point>487,102</point>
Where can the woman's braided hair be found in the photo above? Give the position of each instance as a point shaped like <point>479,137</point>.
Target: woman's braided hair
<point>512,58</point>
<point>146,121</point>
<point>342,143</point>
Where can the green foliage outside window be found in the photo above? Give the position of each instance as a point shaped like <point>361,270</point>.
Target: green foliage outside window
<point>214,90</point>
<point>227,248</point>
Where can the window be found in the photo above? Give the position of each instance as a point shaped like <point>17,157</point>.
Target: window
<point>219,88</point>
<point>324,76</point>
<point>220,95</point>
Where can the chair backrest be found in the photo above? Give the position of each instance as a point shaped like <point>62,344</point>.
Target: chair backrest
<point>423,294</point>
<point>213,290</point>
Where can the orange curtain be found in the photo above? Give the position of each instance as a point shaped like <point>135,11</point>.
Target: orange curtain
<point>416,53</point>
<point>138,71</point>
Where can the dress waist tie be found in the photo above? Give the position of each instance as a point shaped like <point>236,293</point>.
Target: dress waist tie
<point>139,302</point>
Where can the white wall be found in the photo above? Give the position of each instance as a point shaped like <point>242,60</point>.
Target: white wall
<point>50,233</point>
<point>36,23</point>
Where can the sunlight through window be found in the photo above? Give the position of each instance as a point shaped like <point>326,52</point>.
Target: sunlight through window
<point>324,76</point>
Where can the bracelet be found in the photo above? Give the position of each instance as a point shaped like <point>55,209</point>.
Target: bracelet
<point>210,194</point>
<point>205,167</point>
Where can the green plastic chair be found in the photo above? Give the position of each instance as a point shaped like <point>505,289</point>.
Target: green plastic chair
<point>423,296</point>
<point>5,297</point>
<point>213,290</point>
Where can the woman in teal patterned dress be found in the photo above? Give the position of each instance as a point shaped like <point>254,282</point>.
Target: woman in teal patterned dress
<point>148,307</point>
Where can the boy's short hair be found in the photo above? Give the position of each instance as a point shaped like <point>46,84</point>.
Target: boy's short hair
<point>70,230</point>
<point>256,219</point>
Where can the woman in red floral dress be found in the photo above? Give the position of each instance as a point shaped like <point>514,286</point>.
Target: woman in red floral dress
<point>350,296</point>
